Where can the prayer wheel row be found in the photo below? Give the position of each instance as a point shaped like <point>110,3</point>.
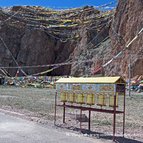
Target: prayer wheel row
<point>88,98</point>
<point>78,98</point>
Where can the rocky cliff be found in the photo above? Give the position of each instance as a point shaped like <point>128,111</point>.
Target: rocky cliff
<point>127,22</point>
<point>40,36</point>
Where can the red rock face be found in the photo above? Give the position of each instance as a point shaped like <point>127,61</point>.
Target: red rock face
<point>35,45</point>
<point>127,23</point>
<point>30,46</point>
<point>49,37</point>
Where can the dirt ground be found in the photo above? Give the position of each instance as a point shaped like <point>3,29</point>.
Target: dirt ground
<point>38,105</point>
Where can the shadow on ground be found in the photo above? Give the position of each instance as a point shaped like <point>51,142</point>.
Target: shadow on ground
<point>101,135</point>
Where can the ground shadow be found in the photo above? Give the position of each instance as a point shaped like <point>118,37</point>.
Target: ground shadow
<point>100,135</point>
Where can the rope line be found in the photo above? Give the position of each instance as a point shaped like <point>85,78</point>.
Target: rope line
<point>5,45</point>
<point>127,46</point>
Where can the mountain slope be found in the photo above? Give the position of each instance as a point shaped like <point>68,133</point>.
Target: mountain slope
<point>127,22</point>
<point>39,36</point>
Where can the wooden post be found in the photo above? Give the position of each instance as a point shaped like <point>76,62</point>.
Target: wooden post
<point>114,118</point>
<point>64,110</point>
<point>124,113</point>
<point>55,109</point>
<point>129,74</point>
<point>89,120</point>
<point>80,119</point>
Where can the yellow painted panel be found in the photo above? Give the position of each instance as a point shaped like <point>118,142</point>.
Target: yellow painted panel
<point>71,97</point>
<point>90,99</point>
<point>101,99</point>
<point>63,97</point>
<point>111,100</point>
<point>80,98</point>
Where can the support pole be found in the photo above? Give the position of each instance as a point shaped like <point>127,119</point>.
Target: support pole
<point>80,119</point>
<point>114,118</point>
<point>129,74</point>
<point>124,114</point>
<point>89,121</point>
<point>64,110</point>
<point>55,109</point>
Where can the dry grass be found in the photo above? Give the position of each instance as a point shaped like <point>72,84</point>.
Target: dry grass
<point>30,101</point>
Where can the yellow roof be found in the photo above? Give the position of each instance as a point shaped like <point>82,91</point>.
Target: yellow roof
<point>99,80</point>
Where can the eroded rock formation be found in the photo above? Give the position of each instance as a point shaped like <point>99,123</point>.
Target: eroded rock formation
<point>39,36</point>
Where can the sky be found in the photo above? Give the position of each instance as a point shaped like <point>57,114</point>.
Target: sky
<point>59,4</point>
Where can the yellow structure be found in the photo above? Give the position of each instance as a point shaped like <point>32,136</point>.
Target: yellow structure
<point>91,90</point>
<point>111,100</point>
<point>63,96</point>
<point>101,97</point>
<point>106,92</point>
<point>71,97</point>
<point>91,80</point>
<point>80,98</point>
<point>90,99</point>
